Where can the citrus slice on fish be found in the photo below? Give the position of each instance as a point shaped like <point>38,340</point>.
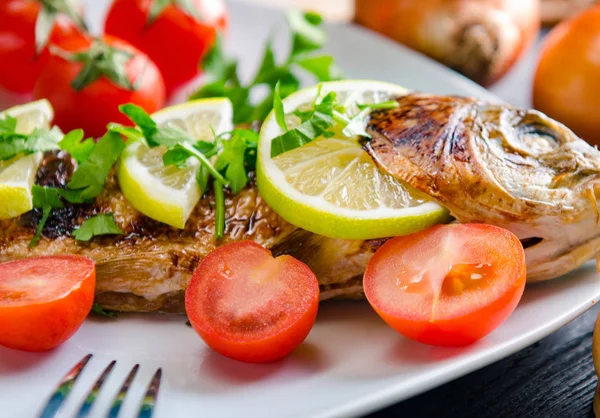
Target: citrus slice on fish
<point>169,193</point>
<point>331,186</point>
<point>18,174</point>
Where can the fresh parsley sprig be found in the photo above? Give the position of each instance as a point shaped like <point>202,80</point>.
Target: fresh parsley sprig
<point>314,124</point>
<point>13,143</point>
<point>308,37</point>
<point>89,178</point>
<point>46,199</point>
<point>227,158</point>
<point>78,149</point>
<point>97,225</point>
<point>319,120</point>
<point>170,136</point>
<point>95,161</point>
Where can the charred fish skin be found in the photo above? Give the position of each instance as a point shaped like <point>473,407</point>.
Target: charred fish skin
<point>491,163</point>
<point>148,268</point>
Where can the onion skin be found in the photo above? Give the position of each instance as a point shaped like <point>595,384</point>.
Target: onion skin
<point>481,39</point>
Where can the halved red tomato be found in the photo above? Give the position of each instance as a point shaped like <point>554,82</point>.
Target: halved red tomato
<point>249,306</point>
<point>448,285</point>
<point>44,300</point>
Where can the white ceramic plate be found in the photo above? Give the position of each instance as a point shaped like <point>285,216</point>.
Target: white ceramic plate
<point>351,363</point>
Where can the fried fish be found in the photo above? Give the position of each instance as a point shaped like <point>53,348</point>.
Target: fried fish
<point>484,162</point>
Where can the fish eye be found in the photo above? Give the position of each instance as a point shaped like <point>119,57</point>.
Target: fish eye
<point>539,139</point>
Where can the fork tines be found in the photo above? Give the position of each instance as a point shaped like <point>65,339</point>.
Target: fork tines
<point>64,387</point>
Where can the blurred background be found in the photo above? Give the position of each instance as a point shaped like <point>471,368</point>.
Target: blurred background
<point>516,48</point>
<point>530,53</point>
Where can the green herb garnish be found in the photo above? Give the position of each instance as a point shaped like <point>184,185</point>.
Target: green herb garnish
<point>13,143</point>
<point>171,137</point>
<point>234,154</point>
<point>219,209</point>
<point>318,121</point>
<point>73,144</point>
<point>97,225</point>
<point>315,124</point>
<point>98,310</point>
<point>88,180</point>
<point>308,36</point>
<point>47,199</point>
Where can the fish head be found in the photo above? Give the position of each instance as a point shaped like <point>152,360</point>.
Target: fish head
<point>491,163</point>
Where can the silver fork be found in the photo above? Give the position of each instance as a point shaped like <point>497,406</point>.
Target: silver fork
<point>66,384</point>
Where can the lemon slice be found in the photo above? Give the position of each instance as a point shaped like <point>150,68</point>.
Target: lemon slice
<point>331,186</point>
<point>18,174</point>
<point>169,194</point>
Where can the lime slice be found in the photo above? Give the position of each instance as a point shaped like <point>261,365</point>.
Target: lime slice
<point>331,186</point>
<point>169,194</point>
<point>18,174</point>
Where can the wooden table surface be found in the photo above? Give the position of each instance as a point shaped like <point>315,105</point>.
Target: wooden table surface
<point>553,378</point>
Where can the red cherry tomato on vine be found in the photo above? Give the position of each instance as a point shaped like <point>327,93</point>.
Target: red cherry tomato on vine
<point>21,62</point>
<point>92,103</point>
<point>175,38</point>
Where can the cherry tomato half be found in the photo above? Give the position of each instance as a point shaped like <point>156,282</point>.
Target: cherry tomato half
<point>21,63</point>
<point>44,300</point>
<point>567,82</point>
<point>448,285</point>
<point>95,105</point>
<point>249,306</point>
<point>176,40</point>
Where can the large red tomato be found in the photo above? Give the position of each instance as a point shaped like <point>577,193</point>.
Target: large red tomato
<point>21,61</point>
<point>81,100</point>
<point>175,38</point>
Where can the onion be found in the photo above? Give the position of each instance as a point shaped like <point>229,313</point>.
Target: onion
<point>480,38</point>
<point>553,11</point>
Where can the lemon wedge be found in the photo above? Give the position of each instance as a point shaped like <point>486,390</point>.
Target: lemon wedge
<point>168,193</point>
<point>331,186</point>
<point>18,174</point>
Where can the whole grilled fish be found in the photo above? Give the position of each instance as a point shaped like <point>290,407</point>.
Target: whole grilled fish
<point>485,163</point>
<point>491,163</point>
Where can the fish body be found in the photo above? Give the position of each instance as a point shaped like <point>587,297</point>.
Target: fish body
<point>148,268</point>
<point>485,162</point>
<point>491,163</point>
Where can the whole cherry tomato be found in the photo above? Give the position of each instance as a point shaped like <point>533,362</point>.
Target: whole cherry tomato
<point>22,55</point>
<point>175,34</point>
<point>86,81</point>
<point>567,79</point>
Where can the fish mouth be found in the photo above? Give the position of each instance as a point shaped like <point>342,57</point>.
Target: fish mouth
<point>530,242</point>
